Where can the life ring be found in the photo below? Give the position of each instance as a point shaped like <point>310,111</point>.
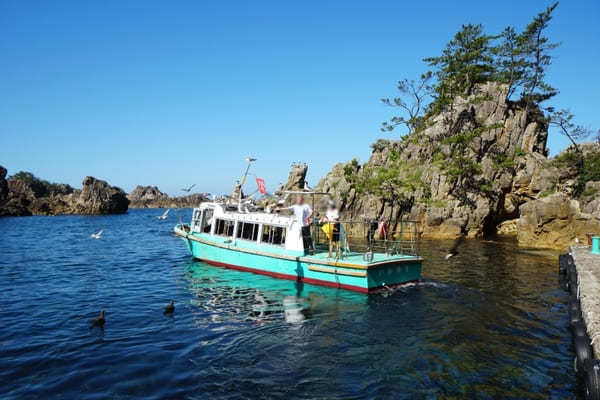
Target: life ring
<point>382,230</point>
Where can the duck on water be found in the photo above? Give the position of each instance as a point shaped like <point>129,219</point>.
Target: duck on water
<point>295,247</point>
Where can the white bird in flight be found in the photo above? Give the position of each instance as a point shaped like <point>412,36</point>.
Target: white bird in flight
<point>97,235</point>
<point>188,189</point>
<point>164,216</point>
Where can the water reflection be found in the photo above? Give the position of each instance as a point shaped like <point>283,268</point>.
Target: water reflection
<point>245,297</point>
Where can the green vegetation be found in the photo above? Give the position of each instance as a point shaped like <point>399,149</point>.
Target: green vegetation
<point>40,187</point>
<point>390,182</point>
<point>547,193</point>
<point>518,61</point>
<point>585,166</point>
<point>590,170</point>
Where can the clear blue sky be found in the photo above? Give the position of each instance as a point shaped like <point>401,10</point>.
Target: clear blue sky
<point>174,93</point>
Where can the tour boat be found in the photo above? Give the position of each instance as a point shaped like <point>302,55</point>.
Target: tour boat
<point>270,243</point>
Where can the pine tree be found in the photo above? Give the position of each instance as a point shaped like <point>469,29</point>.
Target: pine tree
<point>535,50</point>
<point>466,61</point>
<point>509,60</point>
<point>413,98</point>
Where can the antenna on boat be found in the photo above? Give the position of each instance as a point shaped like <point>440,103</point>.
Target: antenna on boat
<point>250,160</point>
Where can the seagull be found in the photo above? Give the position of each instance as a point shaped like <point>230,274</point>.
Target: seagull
<point>454,249</point>
<point>188,189</point>
<point>164,216</point>
<point>99,320</point>
<point>250,159</point>
<point>97,235</point>
<point>170,308</point>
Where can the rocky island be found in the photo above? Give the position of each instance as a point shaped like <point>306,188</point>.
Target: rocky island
<point>472,156</point>
<point>152,197</point>
<point>24,194</point>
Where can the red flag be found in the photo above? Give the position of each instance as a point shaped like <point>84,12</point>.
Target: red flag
<point>261,186</point>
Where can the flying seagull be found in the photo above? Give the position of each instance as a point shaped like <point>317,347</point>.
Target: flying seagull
<point>188,189</point>
<point>165,214</point>
<point>454,249</point>
<point>97,235</point>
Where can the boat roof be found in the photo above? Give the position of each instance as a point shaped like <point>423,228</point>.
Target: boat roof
<point>259,217</point>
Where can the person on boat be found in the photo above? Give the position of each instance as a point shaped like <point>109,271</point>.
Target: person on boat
<point>303,213</point>
<point>332,228</point>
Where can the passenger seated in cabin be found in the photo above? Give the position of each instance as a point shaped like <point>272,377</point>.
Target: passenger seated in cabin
<point>331,227</point>
<point>303,213</point>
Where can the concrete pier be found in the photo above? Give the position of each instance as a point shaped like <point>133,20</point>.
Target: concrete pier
<point>588,272</point>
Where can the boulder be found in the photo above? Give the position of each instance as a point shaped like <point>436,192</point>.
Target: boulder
<point>98,197</point>
<point>554,221</point>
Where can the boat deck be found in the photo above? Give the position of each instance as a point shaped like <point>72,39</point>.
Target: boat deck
<point>355,258</point>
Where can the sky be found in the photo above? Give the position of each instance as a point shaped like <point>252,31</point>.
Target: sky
<point>179,93</point>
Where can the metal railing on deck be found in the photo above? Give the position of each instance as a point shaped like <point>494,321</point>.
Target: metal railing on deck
<point>372,236</point>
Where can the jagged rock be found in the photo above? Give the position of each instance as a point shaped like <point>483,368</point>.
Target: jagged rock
<point>297,177</point>
<point>152,197</point>
<point>147,196</point>
<point>237,192</point>
<point>98,197</point>
<point>507,135</point>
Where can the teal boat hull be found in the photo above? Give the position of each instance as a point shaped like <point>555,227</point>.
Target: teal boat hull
<point>351,273</point>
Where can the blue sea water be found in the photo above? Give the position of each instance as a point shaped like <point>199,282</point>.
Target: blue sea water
<point>490,323</point>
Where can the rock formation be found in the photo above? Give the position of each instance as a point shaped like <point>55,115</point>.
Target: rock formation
<point>36,197</point>
<point>509,169</point>
<point>98,197</point>
<point>152,197</point>
<point>297,178</point>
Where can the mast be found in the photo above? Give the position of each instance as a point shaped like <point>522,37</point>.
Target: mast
<point>250,160</point>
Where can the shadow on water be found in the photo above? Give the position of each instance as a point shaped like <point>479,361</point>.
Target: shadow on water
<point>489,323</point>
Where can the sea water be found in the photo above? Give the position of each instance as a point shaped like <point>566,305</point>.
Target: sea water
<point>489,323</point>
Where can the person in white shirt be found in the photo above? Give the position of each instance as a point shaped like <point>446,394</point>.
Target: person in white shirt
<point>303,213</point>
<point>332,218</point>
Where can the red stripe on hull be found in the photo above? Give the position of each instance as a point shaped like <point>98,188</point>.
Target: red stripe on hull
<point>302,279</point>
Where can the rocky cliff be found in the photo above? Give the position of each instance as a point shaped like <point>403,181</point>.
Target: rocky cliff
<point>152,197</point>
<point>19,197</point>
<point>480,165</point>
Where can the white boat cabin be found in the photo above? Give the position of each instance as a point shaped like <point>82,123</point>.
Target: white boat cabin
<point>260,227</point>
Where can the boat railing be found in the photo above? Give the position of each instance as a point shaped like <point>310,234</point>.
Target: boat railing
<point>373,237</point>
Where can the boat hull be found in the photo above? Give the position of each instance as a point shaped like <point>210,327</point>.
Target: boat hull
<point>344,274</point>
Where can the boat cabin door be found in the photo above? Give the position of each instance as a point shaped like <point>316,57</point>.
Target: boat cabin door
<point>202,220</point>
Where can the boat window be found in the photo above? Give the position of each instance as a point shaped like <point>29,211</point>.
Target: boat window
<point>273,235</point>
<point>247,230</point>
<point>224,227</point>
<point>196,226</point>
<point>207,219</point>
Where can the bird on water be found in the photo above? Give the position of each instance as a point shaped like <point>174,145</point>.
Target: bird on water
<point>99,320</point>
<point>97,235</point>
<point>170,308</point>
